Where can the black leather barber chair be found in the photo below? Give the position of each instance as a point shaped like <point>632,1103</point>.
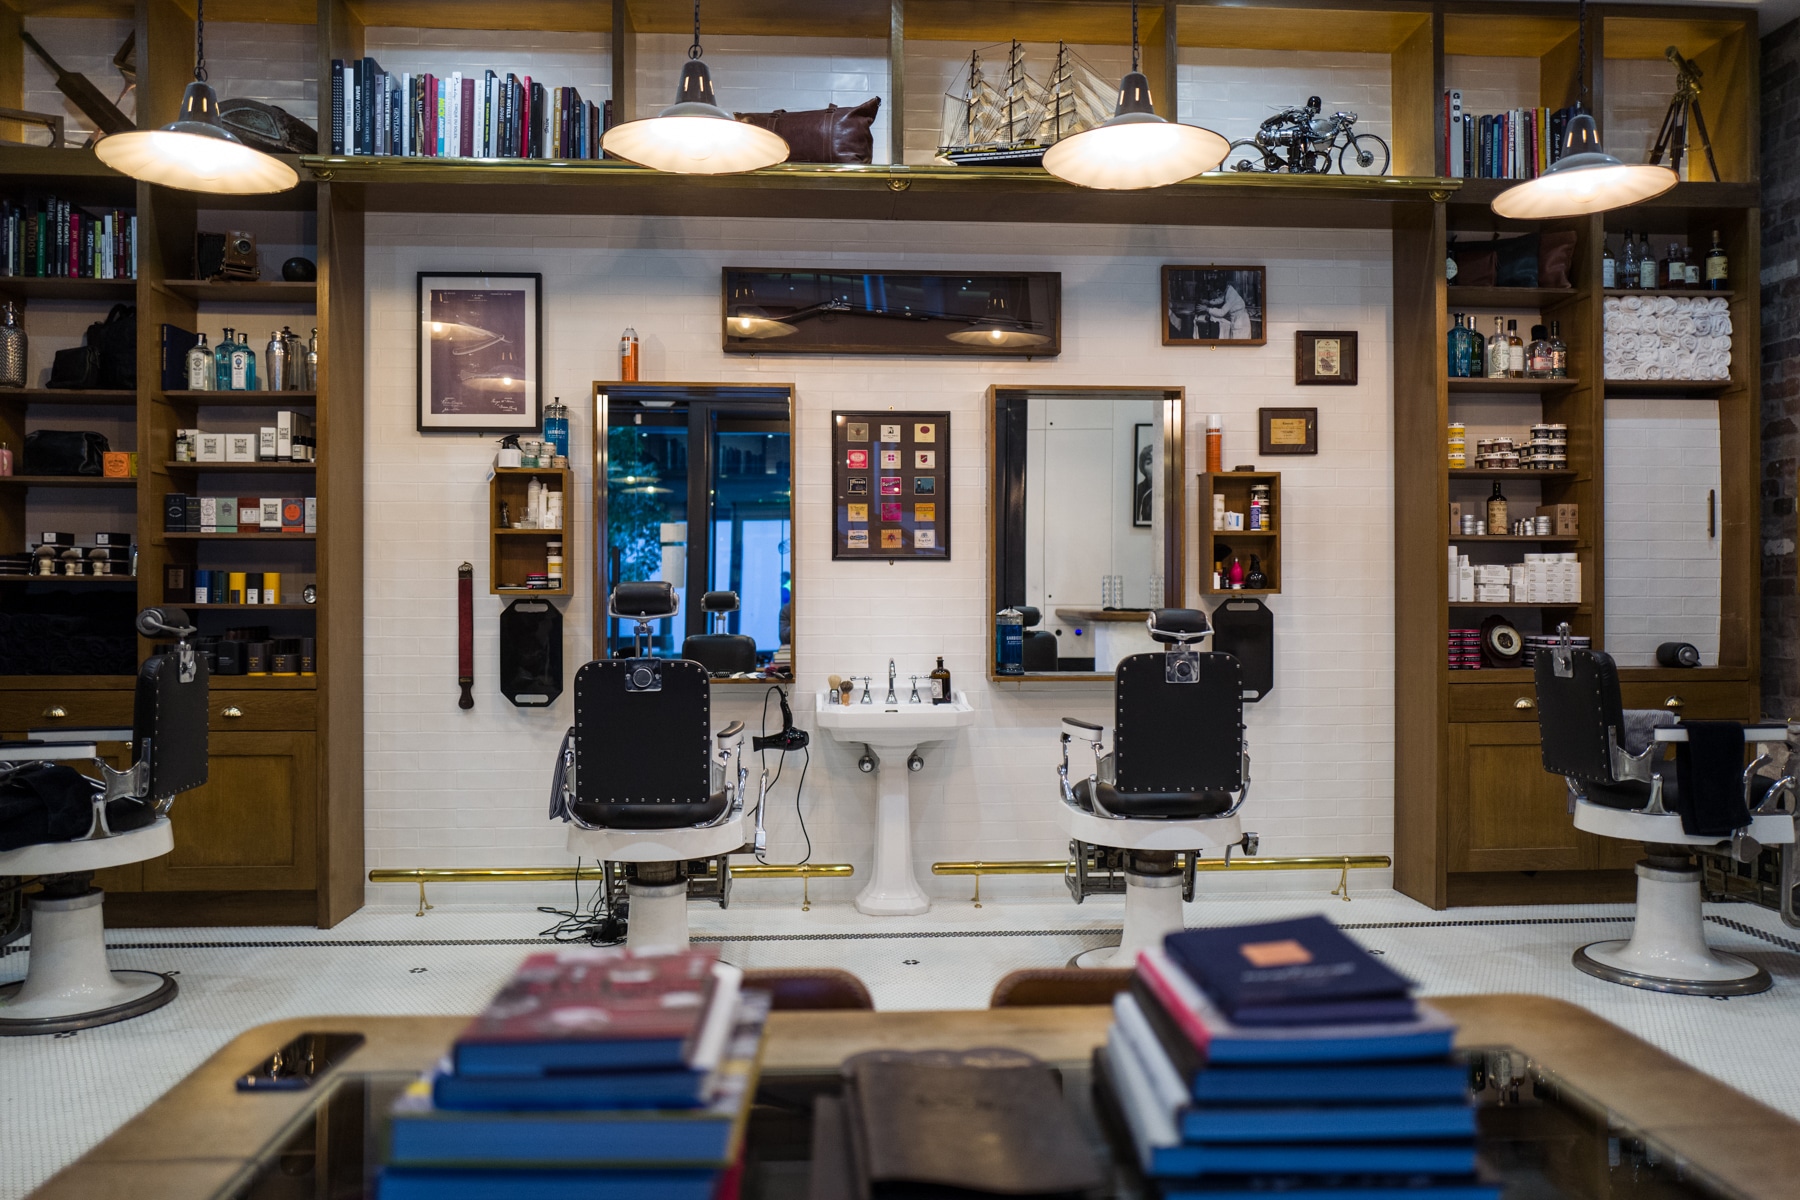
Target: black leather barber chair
<point>1040,645</point>
<point>644,782</point>
<point>1703,802</point>
<point>1170,788</point>
<point>721,653</point>
<point>61,826</point>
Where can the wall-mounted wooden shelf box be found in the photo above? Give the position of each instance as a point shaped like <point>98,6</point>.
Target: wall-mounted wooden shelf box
<point>1264,543</point>
<point>515,553</point>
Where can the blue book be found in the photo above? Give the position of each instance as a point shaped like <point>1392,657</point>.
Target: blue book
<point>1440,1188</point>
<point>1299,972</point>
<point>405,1183</point>
<point>608,1089</point>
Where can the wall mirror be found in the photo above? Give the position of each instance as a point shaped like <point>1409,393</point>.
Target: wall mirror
<point>1088,520</point>
<point>694,485</point>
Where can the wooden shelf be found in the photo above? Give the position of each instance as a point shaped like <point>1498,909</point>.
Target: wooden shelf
<point>235,467</point>
<point>515,553</point>
<point>1510,605</point>
<point>554,533</point>
<point>1724,295</point>
<point>263,291</point>
<point>1244,533</point>
<point>1532,386</point>
<point>32,287</point>
<point>270,683</point>
<point>1460,539</point>
<point>271,538</point>
<point>1668,387</point>
<point>1509,298</point>
<point>242,399</point>
<point>1265,544</point>
<point>298,606</point>
<point>93,396</point>
<point>1492,473</point>
<point>87,579</point>
<point>65,481</point>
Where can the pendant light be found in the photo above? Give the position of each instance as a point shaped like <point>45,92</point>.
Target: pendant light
<point>694,136</point>
<point>1585,178</point>
<point>1137,148</point>
<point>999,330</point>
<point>195,152</point>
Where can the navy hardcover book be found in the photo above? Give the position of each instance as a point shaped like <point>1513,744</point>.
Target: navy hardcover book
<point>1304,971</point>
<point>176,342</point>
<point>411,1183</point>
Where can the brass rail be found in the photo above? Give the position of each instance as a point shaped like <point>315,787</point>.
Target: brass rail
<point>1342,863</point>
<point>421,875</point>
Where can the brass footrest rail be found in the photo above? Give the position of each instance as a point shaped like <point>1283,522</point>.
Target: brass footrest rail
<point>1342,863</point>
<point>423,875</point>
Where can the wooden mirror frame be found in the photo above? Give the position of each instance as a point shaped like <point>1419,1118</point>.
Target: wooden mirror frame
<point>1008,502</point>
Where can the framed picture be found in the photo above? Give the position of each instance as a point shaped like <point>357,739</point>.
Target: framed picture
<point>1143,473</point>
<point>480,346</point>
<point>1325,357</point>
<point>1014,314</point>
<point>1213,306</point>
<point>909,515</point>
<point>1287,430</point>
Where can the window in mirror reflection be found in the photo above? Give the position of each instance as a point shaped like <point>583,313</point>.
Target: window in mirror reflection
<point>699,494</point>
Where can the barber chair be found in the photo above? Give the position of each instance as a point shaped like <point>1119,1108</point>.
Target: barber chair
<point>1622,786</point>
<point>721,653</point>
<point>645,783</point>
<point>1039,645</point>
<point>1170,788</point>
<point>91,823</point>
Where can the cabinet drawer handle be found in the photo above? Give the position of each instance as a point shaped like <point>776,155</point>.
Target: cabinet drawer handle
<point>56,712</point>
<point>1524,702</point>
<point>1674,702</point>
<point>231,712</point>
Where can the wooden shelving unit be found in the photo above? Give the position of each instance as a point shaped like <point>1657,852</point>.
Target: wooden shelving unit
<point>1513,386</point>
<point>1264,544</point>
<point>513,553</point>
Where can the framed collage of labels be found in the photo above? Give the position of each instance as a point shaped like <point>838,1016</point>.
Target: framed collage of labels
<point>890,485</point>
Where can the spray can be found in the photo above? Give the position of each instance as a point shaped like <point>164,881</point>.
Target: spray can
<point>1215,443</point>
<point>628,356</point>
<point>1009,642</point>
<point>275,361</point>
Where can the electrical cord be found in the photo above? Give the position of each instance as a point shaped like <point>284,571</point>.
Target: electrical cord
<point>780,764</point>
<point>602,924</point>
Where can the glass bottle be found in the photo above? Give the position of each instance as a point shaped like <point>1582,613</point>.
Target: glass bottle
<point>275,359</point>
<point>1693,267</point>
<point>200,372</point>
<point>12,347</point>
<point>1628,263</point>
<point>1457,348</point>
<point>222,362</point>
<point>1537,355</point>
<point>940,684</point>
<point>556,426</point>
<point>1559,352</point>
<point>5,459</point>
<point>1665,268</point>
<point>243,365</point>
<point>1646,262</point>
<point>1477,350</point>
<point>1496,511</point>
<point>1235,577</point>
<point>1718,272</point>
<point>310,381</point>
<point>1497,354</point>
<point>1609,267</point>
<point>1254,579</point>
<point>1515,352</point>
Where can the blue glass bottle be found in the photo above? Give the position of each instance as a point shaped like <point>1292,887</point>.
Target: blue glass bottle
<point>222,362</point>
<point>1457,348</point>
<point>556,426</point>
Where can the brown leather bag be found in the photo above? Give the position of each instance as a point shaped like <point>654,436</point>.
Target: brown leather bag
<point>823,135</point>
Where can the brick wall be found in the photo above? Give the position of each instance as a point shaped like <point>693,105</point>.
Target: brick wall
<point>1781,366</point>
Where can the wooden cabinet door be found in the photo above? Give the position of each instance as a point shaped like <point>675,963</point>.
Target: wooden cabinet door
<point>1506,812</point>
<point>253,826</point>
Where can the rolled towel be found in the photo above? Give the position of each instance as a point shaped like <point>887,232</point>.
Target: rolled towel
<point>1666,305</point>
<point>1718,304</point>
<point>1648,343</point>
<point>1722,323</point>
<point>1683,323</point>
<point>1631,304</point>
<point>1688,343</point>
<point>1651,371</point>
<point>1666,326</point>
<point>1614,320</point>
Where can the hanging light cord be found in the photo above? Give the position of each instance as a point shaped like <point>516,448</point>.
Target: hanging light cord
<point>694,50</point>
<point>200,42</point>
<point>1581,55</point>
<point>1134,35</point>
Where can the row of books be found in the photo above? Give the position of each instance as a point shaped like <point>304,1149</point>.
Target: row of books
<point>608,1074</point>
<point>183,513</point>
<point>1520,143</point>
<point>55,238</point>
<point>374,112</point>
<point>1282,1059</point>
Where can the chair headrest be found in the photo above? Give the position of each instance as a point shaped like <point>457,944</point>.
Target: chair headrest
<point>646,600</point>
<point>1029,613</point>
<point>719,602</point>
<point>1178,626</point>
<point>167,621</point>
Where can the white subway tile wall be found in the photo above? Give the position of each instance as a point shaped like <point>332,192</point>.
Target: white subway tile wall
<point>84,46</point>
<point>448,788</point>
<point>556,58</point>
<point>1233,91</point>
<point>935,69</point>
<point>257,60</point>
<point>1638,91</point>
<point>1492,85</point>
<point>761,74</point>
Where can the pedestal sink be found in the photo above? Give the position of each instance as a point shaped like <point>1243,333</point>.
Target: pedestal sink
<point>893,734</point>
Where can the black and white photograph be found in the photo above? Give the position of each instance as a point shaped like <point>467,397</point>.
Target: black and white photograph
<point>1213,306</point>
<point>1143,473</point>
<point>479,343</point>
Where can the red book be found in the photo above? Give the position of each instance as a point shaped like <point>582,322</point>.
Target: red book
<point>586,1009</point>
<point>525,147</point>
<point>1182,1013</point>
<point>468,118</point>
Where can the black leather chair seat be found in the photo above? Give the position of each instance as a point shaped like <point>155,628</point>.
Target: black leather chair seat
<point>1632,794</point>
<point>651,814</point>
<point>1181,806</point>
<point>721,653</point>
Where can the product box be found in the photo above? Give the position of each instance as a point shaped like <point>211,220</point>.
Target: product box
<point>1455,517</point>
<point>265,443</point>
<point>1493,593</point>
<point>118,464</point>
<point>209,514</point>
<point>1564,518</point>
<point>271,514</point>
<point>191,523</point>
<point>227,517</point>
<point>112,539</point>
<point>209,447</point>
<point>284,435</point>
<point>235,583</point>
<point>312,514</point>
<point>1465,587</point>
<point>178,584</point>
<point>1491,574</point>
<point>271,587</point>
<point>253,587</point>
<point>240,447</point>
<point>293,515</point>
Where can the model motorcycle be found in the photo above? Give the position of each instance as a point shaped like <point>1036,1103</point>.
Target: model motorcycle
<point>1302,141</point>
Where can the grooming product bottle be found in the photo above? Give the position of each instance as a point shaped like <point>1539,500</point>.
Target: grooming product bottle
<point>1537,355</point>
<point>1009,643</point>
<point>5,459</point>
<point>275,359</point>
<point>556,426</point>
<point>1496,510</point>
<point>940,682</point>
<point>628,356</point>
<point>534,503</point>
<point>1515,352</point>
<point>1456,348</point>
<point>1235,576</point>
<point>222,361</point>
<point>1559,352</point>
<point>200,372</point>
<point>243,365</point>
<point>1215,443</point>
<point>1718,271</point>
<point>1609,267</point>
<point>12,347</point>
<point>1628,264</point>
<point>1254,579</point>
<point>1477,349</point>
<point>1646,262</point>
<point>1497,353</point>
<point>310,382</point>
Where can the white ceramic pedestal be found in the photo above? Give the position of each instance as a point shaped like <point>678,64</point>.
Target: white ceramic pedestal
<point>893,733</point>
<point>1667,951</point>
<point>1152,912</point>
<point>658,915</point>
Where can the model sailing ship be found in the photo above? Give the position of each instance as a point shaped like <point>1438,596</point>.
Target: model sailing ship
<point>1012,119</point>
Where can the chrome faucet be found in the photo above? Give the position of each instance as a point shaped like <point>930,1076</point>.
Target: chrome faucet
<point>892,696</point>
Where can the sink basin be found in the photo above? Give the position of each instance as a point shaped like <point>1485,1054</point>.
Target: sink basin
<point>894,726</point>
<point>894,732</point>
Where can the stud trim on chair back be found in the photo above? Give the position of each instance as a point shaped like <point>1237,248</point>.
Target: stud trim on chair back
<point>1576,711</point>
<point>1178,737</point>
<point>171,716</point>
<point>643,758</point>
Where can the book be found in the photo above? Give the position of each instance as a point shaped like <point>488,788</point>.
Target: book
<point>1218,1039</point>
<point>176,342</point>
<point>400,1183</point>
<point>465,123</point>
<point>680,1088</point>
<point>1290,972</point>
<point>582,1009</point>
<point>422,1134</point>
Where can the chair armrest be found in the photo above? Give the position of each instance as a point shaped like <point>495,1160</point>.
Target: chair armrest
<point>1087,725</point>
<point>730,731</point>
<point>41,751</point>
<point>1756,735</point>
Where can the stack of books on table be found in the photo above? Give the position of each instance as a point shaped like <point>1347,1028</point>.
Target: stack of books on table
<point>1283,1060</point>
<point>604,1074</point>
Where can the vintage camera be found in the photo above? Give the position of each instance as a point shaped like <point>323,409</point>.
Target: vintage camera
<point>229,256</point>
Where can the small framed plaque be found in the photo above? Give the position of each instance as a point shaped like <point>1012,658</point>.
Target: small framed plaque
<point>1324,357</point>
<point>1287,430</point>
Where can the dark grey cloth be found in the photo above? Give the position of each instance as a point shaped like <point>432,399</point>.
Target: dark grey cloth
<point>1711,768</point>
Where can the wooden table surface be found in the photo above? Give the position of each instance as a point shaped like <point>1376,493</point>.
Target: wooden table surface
<point>203,1132</point>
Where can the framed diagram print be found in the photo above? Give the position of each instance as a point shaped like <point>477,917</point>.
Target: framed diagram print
<point>479,345</point>
<point>890,485</point>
